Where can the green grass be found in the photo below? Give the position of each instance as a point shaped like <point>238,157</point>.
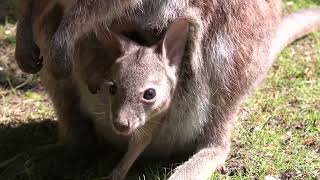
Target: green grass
<point>278,132</point>
<point>298,4</point>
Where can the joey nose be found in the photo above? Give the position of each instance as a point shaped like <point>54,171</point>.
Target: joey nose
<point>121,126</point>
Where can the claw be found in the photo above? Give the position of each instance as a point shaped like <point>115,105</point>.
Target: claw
<point>35,53</point>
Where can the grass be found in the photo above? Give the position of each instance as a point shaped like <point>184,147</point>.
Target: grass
<point>277,135</point>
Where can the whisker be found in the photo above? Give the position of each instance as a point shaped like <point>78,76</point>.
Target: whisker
<point>140,134</point>
<point>99,113</point>
<point>101,105</point>
<point>155,122</point>
<point>109,83</point>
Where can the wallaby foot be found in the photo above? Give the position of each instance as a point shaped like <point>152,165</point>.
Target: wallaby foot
<point>29,62</point>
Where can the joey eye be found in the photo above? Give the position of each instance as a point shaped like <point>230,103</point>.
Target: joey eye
<point>113,88</point>
<point>149,94</point>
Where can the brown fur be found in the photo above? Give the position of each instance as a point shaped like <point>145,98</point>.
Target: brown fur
<point>27,53</point>
<point>228,53</point>
<point>132,111</point>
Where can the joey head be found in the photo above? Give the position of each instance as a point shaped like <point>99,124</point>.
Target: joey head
<point>141,83</point>
<point>140,86</point>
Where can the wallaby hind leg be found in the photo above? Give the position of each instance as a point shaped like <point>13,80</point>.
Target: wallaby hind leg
<point>27,52</point>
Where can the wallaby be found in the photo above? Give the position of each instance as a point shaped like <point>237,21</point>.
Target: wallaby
<point>150,86</point>
<point>230,47</point>
<point>46,18</point>
<point>27,53</point>
<point>80,18</point>
<point>137,101</point>
<point>151,15</point>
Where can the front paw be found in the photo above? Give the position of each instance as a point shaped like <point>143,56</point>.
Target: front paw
<point>29,62</point>
<point>181,176</point>
<point>59,60</point>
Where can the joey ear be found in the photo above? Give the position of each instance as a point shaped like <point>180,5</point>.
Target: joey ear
<point>112,41</point>
<point>174,43</point>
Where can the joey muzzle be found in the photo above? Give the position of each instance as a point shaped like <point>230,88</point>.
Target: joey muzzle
<point>121,127</point>
<point>124,123</point>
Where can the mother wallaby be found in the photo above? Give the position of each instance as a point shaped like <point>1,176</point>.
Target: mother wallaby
<point>231,46</point>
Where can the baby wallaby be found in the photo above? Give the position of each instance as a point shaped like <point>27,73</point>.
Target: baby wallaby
<point>140,87</point>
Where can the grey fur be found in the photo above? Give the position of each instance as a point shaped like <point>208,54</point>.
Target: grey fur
<point>228,54</point>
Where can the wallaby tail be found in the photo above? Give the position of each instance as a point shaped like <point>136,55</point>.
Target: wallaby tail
<point>295,26</point>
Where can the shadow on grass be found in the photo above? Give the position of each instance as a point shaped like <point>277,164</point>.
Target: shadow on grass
<point>57,162</point>
<point>20,143</point>
<point>16,137</point>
